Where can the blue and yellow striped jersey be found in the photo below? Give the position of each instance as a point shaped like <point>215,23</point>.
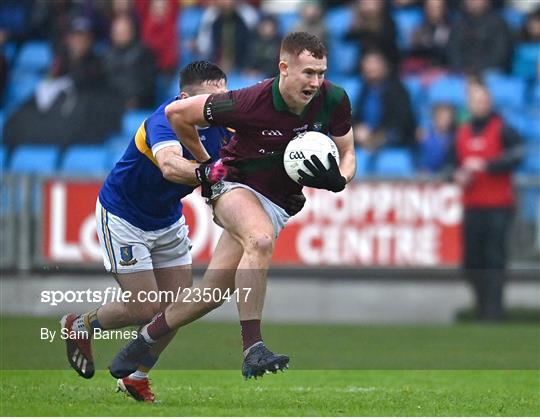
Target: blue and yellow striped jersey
<point>136,190</point>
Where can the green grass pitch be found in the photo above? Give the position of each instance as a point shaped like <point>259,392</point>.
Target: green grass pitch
<point>336,370</point>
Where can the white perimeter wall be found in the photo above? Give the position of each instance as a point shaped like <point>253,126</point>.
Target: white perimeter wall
<point>293,300</point>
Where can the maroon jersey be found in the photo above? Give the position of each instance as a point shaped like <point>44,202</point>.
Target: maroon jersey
<point>264,126</point>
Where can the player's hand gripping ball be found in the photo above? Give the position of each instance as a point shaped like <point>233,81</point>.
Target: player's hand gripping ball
<point>312,159</point>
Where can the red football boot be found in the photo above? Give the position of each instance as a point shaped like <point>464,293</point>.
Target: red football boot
<point>79,348</point>
<point>138,389</point>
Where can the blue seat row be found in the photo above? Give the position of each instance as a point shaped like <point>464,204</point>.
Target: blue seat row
<point>386,163</point>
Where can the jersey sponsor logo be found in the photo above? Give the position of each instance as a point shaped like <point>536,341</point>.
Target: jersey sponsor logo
<point>126,255</point>
<point>208,113</point>
<point>297,155</point>
<point>317,126</point>
<point>272,133</point>
<point>302,128</point>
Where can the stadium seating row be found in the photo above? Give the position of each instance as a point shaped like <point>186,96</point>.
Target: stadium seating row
<point>95,160</point>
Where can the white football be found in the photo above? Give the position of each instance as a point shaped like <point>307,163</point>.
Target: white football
<point>302,147</point>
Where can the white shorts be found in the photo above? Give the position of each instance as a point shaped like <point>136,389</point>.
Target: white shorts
<point>278,215</point>
<point>128,249</point>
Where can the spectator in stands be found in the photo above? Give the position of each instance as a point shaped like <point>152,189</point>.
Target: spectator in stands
<point>383,115</point>
<point>111,9</point>
<point>73,104</point>
<point>265,48</point>
<point>436,141</point>
<point>76,58</point>
<point>130,66</point>
<point>312,20</point>
<point>479,40</point>
<point>158,31</point>
<point>225,34</point>
<point>53,19</point>
<point>430,40</point>
<point>373,28</point>
<point>531,28</point>
<point>405,4</point>
<point>486,152</point>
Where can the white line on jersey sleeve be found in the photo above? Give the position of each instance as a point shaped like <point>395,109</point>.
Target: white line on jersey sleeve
<point>164,144</point>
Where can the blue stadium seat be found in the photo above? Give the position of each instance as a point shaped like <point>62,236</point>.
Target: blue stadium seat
<point>449,89</point>
<point>394,162</point>
<point>513,17</point>
<point>531,130</point>
<point>343,57</point>
<point>362,163</point>
<point>530,204</point>
<point>526,59</point>
<point>507,91</point>
<point>20,87</point>
<point>189,21</point>
<point>515,118</point>
<point>338,21</point>
<point>2,120</point>
<point>34,56</point>
<point>529,198</point>
<point>531,161</point>
<point>3,157</point>
<point>287,21</point>
<point>35,159</point>
<point>9,50</point>
<point>133,119</point>
<point>238,80</point>
<point>407,20</point>
<point>536,95</point>
<point>85,160</point>
<point>116,147</point>
<point>525,121</point>
<point>351,84</point>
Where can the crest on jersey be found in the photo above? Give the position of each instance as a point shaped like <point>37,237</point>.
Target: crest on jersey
<point>126,256</point>
<point>317,126</point>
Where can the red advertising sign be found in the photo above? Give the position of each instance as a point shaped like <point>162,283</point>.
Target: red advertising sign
<point>369,224</point>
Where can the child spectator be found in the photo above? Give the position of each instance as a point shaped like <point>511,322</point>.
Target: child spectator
<point>435,142</point>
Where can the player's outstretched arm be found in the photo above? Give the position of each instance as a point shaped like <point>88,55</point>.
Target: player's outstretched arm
<point>175,167</point>
<point>347,156</point>
<point>184,115</point>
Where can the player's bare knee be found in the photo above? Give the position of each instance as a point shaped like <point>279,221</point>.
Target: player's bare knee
<point>261,244</point>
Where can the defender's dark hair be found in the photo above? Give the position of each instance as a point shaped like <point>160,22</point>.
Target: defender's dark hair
<point>198,72</point>
<point>297,42</point>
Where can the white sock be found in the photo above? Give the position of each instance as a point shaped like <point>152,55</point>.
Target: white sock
<point>139,375</point>
<point>146,336</point>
